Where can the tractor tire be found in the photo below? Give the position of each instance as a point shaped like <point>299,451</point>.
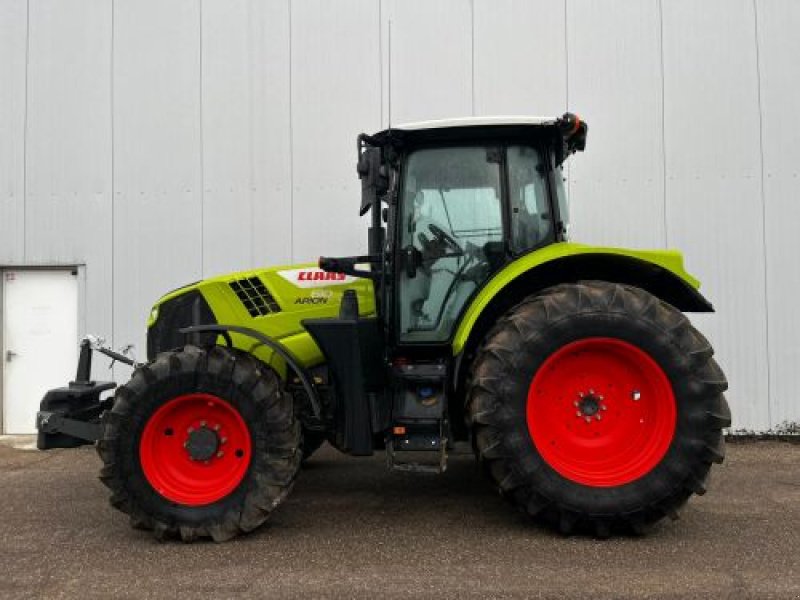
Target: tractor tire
<point>597,408</point>
<point>200,443</point>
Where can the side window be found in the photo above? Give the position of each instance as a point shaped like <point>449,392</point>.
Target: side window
<point>531,221</point>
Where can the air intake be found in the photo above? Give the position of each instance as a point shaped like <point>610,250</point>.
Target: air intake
<point>255,296</point>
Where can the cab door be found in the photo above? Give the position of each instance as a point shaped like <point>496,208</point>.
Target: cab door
<point>450,235</point>
<point>464,212</point>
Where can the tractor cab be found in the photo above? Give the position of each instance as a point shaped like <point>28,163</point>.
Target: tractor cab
<point>452,202</point>
<point>469,196</point>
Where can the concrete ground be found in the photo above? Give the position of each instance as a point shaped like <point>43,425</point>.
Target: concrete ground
<point>351,529</point>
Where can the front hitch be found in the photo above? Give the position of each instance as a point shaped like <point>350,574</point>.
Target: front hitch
<point>70,416</point>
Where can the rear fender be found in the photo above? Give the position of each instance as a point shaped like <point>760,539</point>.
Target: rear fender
<point>659,272</point>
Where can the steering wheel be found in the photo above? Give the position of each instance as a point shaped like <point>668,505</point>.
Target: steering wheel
<point>445,239</point>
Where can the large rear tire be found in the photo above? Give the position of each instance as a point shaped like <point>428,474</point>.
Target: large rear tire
<point>200,443</point>
<point>597,407</point>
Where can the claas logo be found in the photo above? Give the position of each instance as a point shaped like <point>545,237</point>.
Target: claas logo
<point>319,276</point>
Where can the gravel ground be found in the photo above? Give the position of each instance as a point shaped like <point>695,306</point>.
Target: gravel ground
<point>351,529</point>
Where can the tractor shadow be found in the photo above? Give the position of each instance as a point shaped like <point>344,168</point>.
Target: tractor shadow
<point>334,490</point>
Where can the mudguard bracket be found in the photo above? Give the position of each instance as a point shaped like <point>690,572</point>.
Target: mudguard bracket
<point>277,347</point>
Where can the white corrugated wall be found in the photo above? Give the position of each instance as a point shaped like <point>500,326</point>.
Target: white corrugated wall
<point>158,142</point>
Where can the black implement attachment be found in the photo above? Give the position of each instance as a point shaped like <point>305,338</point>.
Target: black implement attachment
<point>70,416</point>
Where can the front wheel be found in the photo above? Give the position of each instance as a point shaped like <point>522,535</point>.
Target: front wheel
<point>200,443</point>
<point>597,407</point>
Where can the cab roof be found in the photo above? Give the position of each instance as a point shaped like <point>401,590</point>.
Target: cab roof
<point>568,128</point>
<point>488,121</point>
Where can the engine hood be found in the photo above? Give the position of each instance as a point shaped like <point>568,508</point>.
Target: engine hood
<point>273,301</point>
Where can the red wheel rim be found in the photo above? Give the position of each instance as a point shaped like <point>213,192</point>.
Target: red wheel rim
<point>195,449</point>
<point>601,412</point>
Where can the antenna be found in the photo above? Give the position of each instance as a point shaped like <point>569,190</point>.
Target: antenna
<point>390,74</point>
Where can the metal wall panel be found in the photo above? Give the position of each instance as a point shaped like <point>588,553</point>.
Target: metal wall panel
<point>520,57</point>
<point>246,143</point>
<point>617,186</point>
<point>271,158</point>
<point>157,156</point>
<point>335,95</point>
<point>68,150</point>
<point>431,59</point>
<point>713,167</point>
<point>13,39</point>
<point>226,135</point>
<point>779,53</point>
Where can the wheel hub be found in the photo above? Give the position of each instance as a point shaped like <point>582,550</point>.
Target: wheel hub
<point>202,444</point>
<point>589,405</point>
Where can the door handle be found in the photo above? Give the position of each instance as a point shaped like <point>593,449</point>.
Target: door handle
<point>10,354</point>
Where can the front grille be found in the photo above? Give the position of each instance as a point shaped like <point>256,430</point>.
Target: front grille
<point>255,296</point>
<point>183,311</point>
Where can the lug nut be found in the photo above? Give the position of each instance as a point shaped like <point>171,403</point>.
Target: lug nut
<point>202,423</point>
<point>599,416</point>
<point>220,454</point>
<point>223,440</point>
<point>603,407</point>
<point>575,404</point>
<point>588,419</point>
<point>216,427</point>
<point>578,413</point>
<point>636,394</point>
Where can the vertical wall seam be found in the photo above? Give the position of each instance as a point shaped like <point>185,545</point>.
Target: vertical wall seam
<point>380,57</point>
<point>202,150</point>
<point>566,88</point>
<point>566,55</point>
<point>663,122</point>
<point>25,135</point>
<point>113,180</point>
<point>291,142</point>
<point>251,172</point>
<point>472,55</point>
<point>763,213</point>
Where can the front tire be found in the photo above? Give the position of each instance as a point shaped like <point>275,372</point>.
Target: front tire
<point>200,443</point>
<point>597,407</point>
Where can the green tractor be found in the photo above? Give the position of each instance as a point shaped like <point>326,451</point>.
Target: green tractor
<point>588,397</point>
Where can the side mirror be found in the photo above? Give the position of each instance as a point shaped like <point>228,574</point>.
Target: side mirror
<point>373,175</point>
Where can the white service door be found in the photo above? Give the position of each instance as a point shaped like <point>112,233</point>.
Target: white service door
<point>40,341</point>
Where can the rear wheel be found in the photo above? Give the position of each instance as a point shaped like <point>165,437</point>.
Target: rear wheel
<point>597,407</point>
<point>200,444</point>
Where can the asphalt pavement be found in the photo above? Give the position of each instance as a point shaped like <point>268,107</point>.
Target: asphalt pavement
<point>351,529</point>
